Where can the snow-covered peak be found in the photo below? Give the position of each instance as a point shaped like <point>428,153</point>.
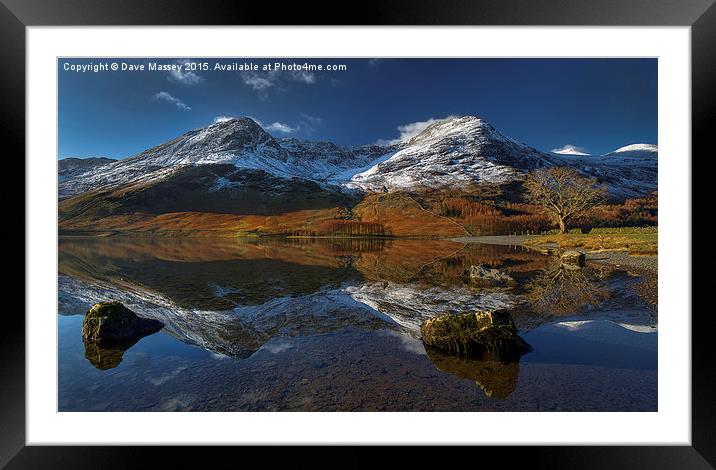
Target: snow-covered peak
<point>236,121</point>
<point>569,150</point>
<point>637,147</point>
<point>630,171</point>
<point>239,141</point>
<point>239,131</point>
<point>465,127</point>
<point>220,142</point>
<point>634,152</point>
<point>456,152</point>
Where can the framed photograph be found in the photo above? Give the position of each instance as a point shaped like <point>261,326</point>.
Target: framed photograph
<point>461,225</point>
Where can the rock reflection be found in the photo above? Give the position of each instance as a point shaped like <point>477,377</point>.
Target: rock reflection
<point>231,297</point>
<point>104,356</point>
<point>240,332</point>
<point>497,379</point>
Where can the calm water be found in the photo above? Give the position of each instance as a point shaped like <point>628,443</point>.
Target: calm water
<point>333,325</point>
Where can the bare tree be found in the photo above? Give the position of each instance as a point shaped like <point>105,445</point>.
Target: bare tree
<point>563,193</point>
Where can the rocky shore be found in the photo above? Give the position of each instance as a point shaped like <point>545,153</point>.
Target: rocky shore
<point>646,267</point>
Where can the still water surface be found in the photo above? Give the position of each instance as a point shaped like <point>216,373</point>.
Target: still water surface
<point>333,325</point>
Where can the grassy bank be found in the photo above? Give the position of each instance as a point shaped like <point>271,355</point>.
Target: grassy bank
<point>635,240</point>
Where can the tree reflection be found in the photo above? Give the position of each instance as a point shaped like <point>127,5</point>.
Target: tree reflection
<point>564,289</point>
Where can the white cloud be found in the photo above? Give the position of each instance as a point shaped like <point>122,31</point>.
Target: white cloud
<point>409,344</point>
<point>410,130</point>
<point>162,379</point>
<point>273,127</point>
<point>260,84</point>
<point>304,77</point>
<point>311,119</point>
<point>570,149</point>
<point>185,77</point>
<point>222,118</point>
<point>277,346</point>
<point>257,82</point>
<point>166,96</point>
<point>276,80</point>
<point>309,123</point>
<point>280,127</point>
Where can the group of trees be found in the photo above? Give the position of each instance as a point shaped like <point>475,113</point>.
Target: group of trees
<point>487,218</point>
<point>349,228</point>
<point>637,212</point>
<point>553,196</point>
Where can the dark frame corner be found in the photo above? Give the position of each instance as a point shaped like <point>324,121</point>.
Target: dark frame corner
<point>16,15</point>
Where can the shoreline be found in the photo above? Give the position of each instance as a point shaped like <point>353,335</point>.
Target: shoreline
<point>510,240</point>
<point>644,266</point>
<point>618,258</point>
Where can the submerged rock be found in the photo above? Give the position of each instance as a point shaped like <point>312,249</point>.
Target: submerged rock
<point>497,379</point>
<point>574,257</point>
<point>487,276</point>
<point>108,323</point>
<point>480,334</point>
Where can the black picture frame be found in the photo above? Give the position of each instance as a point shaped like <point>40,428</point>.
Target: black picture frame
<point>16,15</point>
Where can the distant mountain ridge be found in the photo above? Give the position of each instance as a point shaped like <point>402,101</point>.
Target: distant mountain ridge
<point>241,142</point>
<point>450,153</point>
<point>73,166</point>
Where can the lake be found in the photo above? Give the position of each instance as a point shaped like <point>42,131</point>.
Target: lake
<point>311,324</point>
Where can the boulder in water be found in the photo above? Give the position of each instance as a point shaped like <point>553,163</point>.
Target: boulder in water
<point>111,322</point>
<point>484,275</point>
<point>478,334</point>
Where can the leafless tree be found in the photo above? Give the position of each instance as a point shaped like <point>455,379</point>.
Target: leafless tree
<point>563,193</point>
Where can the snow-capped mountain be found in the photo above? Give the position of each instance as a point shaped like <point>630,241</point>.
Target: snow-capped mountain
<point>629,171</point>
<point>449,153</point>
<point>636,150</point>
<point>222,142</point>
<point>241,142</point>
<point>569,150</point>
<point>629,153</point>
<point>453,153</point>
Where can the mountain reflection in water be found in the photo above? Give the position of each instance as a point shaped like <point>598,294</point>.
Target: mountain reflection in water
<point>233,297</point>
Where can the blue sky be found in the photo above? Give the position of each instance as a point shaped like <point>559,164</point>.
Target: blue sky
<point>596,105</point>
